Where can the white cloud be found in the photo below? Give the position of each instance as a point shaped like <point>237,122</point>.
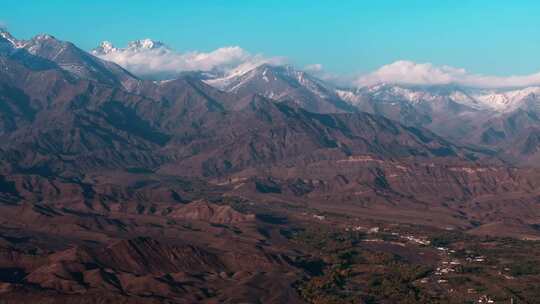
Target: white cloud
<point>412,73</point>
<point>3,25</point>
<point>153,59</point>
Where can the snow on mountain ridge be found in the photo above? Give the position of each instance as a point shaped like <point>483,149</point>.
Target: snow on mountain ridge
<point>507,101</point>
<point>224,79</point>
<point>12,40</point>
<point>241,75</point>
<point>68,57</point>
<point>480,99</point>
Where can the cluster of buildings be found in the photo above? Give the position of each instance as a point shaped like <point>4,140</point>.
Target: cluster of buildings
<point>485,299</point>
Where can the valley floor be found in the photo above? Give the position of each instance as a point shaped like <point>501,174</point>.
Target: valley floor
<point>235,250</point>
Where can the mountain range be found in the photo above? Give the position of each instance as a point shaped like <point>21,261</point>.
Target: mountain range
<point>108,168</point>
<point>504,120</point>
<point>67,113</point>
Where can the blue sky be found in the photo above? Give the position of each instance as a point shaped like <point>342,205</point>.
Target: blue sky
<point>486,37</point>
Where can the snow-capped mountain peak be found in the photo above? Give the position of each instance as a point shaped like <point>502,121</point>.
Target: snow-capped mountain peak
<point>104,47</point>
<point>281,83</point>
<point>223,80</point>
<point>145,44</point>
<point>42,37</point>
<point>66,56</point>
<point>142,45</point>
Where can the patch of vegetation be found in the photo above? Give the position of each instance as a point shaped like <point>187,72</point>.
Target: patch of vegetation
<point>384,277</point>
<point>521,268</point>
<point>446,238</point>
<point>327,240</point>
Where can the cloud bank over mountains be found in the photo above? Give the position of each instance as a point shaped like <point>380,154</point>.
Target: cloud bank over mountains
<point>149,58</point>
<point>412,73</point>
<point>153,59</point>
